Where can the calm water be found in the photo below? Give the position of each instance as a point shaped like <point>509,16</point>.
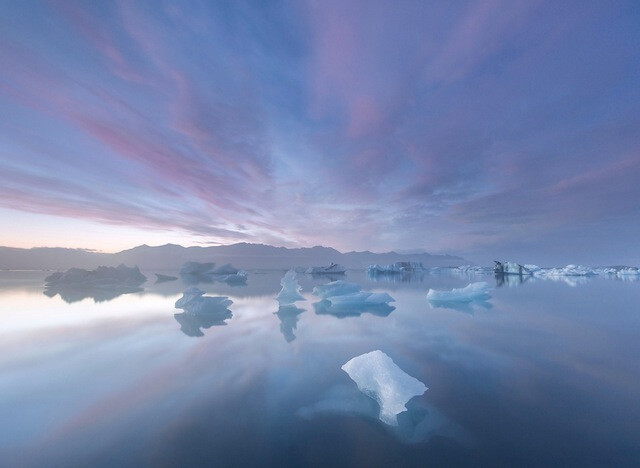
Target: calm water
<point>544,373</point>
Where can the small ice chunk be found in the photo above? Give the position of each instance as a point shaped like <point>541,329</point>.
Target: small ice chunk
<point>226,269</point>
<point>473,292</point>
<point>569,270</point>
<point>333,268</point>
<point>336,288</point>
<point>290,291</point>
<point>160,278</point>
<point>378,377</point>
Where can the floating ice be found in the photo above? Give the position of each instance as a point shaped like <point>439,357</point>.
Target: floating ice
<point>509,268</point>
<point>160,278</point>
<point>196,268</point>
<point>629,271</point>
<point>472,269</point>
<point>336,288</point>
<point>333,268</point>
<point>378,377</point>
<point>102,284</point>
<point>290,291</point>
<point>569,270</point>
<point>472,292</point>
<point>193,301</point>
<point>102,276</point>
<point>397,267</point>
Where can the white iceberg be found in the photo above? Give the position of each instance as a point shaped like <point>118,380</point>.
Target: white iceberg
<point>290,291</point>
<point>569,270</point>
<point>378,377</point>
<point>473,292</point>
<point>336,288</point>
<point>333,268</point>
<point>628,271</point>
<point>193,301</point>
<point>397,267</point>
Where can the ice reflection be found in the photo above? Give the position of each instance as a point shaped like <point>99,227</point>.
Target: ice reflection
<point>325,307</point>
<point>71,294</point>
<point>397,277</point>
<point>192,324</point>
<point>465,307</point>
<point>288,315</point>
<point>419,423</point>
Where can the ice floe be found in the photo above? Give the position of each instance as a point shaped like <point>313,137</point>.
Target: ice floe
<point>160,278</point>
<point>336,288</point>
<point>378,377</point>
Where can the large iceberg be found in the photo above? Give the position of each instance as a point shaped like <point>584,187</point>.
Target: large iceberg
<point>336,288</point>
<point>290,291</point>
<point>473,292</point>
<point>378,377</point>
<point>397,267</point>
<point>102,284</point>
<point>102,276</point>
<point>333,268</point>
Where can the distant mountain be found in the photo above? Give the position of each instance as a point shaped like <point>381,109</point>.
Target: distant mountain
<point>242,255</point>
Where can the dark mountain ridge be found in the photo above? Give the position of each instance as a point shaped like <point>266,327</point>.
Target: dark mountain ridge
<point>242,255</point>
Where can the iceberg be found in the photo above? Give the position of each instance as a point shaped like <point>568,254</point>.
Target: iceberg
<point>569,270</point>
<point>378,377</point>
<point>394,268</point>
<point>333,268</point>
<point>193,301</point>
<point>472,292</point>
<point>509,268</point>
<point>290,291</point>
<point>336,288</point>
<point>102,284</point>
<point>196,268</point>
<point>628,271</point>
<point>102,276</point>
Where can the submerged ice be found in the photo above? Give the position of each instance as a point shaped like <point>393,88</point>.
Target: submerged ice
<point>378,377</point>
<point>472,292</point>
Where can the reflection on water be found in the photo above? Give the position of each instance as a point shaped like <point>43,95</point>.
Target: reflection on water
<point>325,307</point>
<point>71,294</point>
<point>466,307</point>
<point>288,315</point>
<point>547,376</point>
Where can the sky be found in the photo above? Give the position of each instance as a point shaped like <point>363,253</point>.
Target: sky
<point>489,129</point>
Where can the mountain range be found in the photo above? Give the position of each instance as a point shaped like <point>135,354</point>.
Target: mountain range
<point>241,255</point>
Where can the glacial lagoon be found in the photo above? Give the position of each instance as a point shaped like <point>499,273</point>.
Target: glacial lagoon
<point>543,372</point>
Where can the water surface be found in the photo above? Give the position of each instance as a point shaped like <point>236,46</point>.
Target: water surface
<point>543,373</point>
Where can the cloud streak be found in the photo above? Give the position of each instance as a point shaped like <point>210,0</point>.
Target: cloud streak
<point>472,128</point>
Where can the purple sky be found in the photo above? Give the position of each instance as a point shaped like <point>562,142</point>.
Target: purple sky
<point>488,129</point>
